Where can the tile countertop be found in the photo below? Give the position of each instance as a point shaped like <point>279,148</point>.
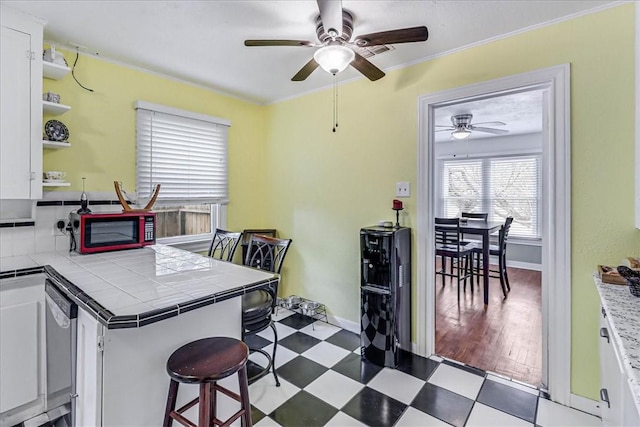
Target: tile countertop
<point>623,312</point>
<point>133,288</point>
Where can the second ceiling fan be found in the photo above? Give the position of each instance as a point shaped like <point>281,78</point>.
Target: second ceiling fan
<point>334,28</point>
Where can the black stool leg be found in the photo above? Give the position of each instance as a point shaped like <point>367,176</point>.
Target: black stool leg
<point>273,358</point>
<point>171,403</point>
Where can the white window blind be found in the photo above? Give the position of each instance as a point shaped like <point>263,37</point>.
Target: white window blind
<point>501,186</point>
<point>184,152</point>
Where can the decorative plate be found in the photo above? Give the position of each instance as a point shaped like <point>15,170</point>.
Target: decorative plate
<point>56,131</point>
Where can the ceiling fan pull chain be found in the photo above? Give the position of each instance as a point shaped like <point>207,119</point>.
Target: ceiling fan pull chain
<point>335,103</point>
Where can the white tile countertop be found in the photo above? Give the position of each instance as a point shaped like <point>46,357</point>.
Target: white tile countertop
<point>132,288</point>
<point>623,312</point>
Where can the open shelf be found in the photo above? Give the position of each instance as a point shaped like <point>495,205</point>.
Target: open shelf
<point>54,108</point>
<point>55,144</point>
<point>54,71</point>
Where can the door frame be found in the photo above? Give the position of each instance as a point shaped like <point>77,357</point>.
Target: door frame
<point>556,216</point>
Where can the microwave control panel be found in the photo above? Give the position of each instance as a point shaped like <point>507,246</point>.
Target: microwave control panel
<point>149,229</point>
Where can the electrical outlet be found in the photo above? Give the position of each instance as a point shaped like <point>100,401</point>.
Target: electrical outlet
<point>403,189</point>
<point>59,230</point>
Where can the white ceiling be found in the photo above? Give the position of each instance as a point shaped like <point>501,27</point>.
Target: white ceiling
<point>202,41</point>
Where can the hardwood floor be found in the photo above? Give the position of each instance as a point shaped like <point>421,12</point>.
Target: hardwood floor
<point>506,338</point>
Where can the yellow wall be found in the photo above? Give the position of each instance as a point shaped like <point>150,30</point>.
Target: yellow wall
<point>290,172</point>
<point>329,185</point>
<point>103,140</point>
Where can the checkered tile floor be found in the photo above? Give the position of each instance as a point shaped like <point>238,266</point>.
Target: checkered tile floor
<point>324,382</point>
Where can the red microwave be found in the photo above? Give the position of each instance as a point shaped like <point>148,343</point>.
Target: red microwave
<point>93,233</point>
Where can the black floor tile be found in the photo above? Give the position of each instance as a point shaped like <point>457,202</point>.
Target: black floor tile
<point>354,367</point>
<point>345,339</point>
<point>256,341</point>
<point>470,369</point>
<point>303,409</point>
<point>256,415</point>
<point>418,366</point>
<point>443,404</point>
<point>301,371</point>
<point>508,399</point>
<point>297,321</point>
<point>373,408</point>
<point>298,342</point>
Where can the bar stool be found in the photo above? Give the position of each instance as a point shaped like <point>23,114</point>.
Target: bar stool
<point>205,362</point>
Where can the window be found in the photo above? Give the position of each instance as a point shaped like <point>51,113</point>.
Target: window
<point>501,186</point>
<point>186,153</point>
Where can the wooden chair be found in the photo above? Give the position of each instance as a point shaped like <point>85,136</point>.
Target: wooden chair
<point>224,244</point>
<point>447,241</point>
<point>473,216</point>
<point>500,251</point>
<point>265,253</point>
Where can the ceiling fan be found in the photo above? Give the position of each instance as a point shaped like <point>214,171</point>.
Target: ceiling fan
<point>334,27</point>
<point>462,127</point>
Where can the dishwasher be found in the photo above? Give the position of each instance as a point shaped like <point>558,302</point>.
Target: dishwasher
<point>61,336</point>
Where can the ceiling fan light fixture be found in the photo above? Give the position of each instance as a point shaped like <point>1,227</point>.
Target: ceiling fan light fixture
<point>461,133</point>
<point>334,58</point>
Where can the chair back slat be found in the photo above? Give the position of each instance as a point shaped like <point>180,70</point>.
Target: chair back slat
<point>503,234</point>
<point>224,244</point>
<point>266,253</point>
<point>475,215</point>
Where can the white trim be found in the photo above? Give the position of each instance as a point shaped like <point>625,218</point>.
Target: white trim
<point>585,405</point>
<point>556,218</point>
<point>344,324</point>
<point>144,105</point>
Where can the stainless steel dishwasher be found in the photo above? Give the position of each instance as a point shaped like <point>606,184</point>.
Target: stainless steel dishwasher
<point>61,319</point>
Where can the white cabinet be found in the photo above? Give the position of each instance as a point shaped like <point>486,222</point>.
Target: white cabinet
<point>21,106</point>
<point>617,407</point>
<point>22,349</point>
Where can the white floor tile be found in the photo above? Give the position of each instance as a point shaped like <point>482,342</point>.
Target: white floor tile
<point>519,386</point>
<point>343,420</point>
<point>334,388</point>
<point>553,414</point>
<point>283,331</point>
<point>320,330</point>
<point>326,354</point>
<point>457,380</point>
<point>265,422</point>
<point>283,354</point>
<point>485,416</point>
<point>413,417</point>
<point>264,395</point>
<point>281,313</point>
<point>396,384</point>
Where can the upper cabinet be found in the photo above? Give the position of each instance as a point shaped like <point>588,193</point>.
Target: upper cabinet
<point>21,106</point>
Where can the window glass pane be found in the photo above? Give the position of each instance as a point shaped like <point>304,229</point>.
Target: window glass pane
<point>185,220</point>
<point>462,187</point>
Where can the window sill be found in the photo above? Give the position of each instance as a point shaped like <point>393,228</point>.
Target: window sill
<point>199,244</point>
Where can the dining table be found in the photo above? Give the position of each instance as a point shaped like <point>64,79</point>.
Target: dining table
<point>483,229</point>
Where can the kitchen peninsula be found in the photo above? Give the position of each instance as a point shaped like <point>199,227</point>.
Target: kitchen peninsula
<point>136,307</point>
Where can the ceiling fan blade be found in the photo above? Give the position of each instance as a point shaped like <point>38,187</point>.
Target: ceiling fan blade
<point>445,126</point>
<point>331,15</point>
<point>404,35</point>
<point>305,43</point>
<point>445,130</point>
<point>489,130</point>
<point>370,71</point>
<point>305,71</point>
<point>491,123</point>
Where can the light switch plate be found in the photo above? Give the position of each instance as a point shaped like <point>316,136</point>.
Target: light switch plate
<point>403,189</point>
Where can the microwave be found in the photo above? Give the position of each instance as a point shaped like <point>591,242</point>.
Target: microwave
<point>102,232</point>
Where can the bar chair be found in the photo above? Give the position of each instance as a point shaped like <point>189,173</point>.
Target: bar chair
<point>447,240</point>
<point>473,216</point>
<point>500,251</point>
<point>224,244</point>
<point>265,253</point>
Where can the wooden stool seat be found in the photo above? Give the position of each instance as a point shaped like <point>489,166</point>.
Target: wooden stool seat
<point>205,362</point>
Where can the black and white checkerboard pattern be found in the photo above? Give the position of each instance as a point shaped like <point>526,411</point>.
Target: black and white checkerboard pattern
<point>324,382</point>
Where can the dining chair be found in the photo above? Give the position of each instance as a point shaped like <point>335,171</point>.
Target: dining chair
<point>447,245</point>
<point>473,216</point>
<point>500,251</point>
<point>265,253</point>
<point>224,244</point>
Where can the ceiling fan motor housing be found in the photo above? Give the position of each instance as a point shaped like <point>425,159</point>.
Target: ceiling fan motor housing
<point>461,120</point>
<point>347,29</point>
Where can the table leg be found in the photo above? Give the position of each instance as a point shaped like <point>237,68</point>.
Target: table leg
<point>485,266</point>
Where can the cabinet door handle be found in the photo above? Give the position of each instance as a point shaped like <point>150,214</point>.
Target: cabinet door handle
<point>604,334</point>
<point>604,396</point>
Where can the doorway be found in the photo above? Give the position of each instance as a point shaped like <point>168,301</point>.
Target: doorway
<point>554,216</point>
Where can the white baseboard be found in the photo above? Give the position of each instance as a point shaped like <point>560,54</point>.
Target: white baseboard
<point>344,324</point>
<point>524,265</point>
<point>584,404</point>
